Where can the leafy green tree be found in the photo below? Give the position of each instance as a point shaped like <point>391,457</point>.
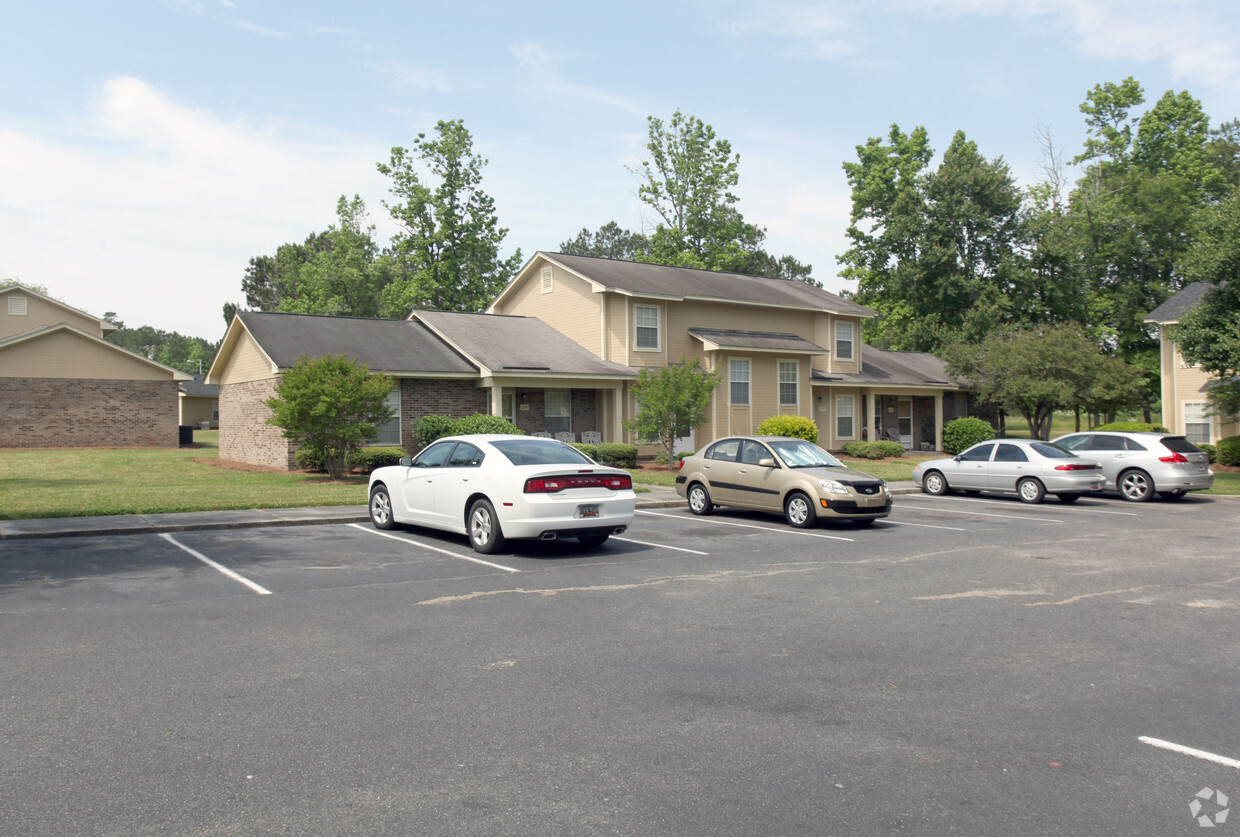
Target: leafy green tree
<point>345,276</point>
<point>189,354</point>
<point>447,254</point>
<point>1038,370</point>
<point>609,241</point>
<point>1209,334</point>
<point>688,182</point>
<point>671,402</point>
<point>331,406</point>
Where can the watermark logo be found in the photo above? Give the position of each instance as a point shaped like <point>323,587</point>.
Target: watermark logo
<point>1208,800</point>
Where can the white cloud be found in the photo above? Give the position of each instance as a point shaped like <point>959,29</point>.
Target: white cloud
<point>541,67</point>
<point>813,30</point>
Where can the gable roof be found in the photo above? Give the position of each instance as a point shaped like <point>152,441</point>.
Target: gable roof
<point>904,369</point>
<point>660,281</point>
<point>43,332</point>
<point>502,344</point>
<point>104,325</point>
<point>198,387</point>
<point>1179,304</point>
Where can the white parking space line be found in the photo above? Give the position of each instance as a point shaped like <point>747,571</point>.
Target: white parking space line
<point>923,525</point>
<point>1190,751</point>
<point>752,526</point>
<point>237,577</point>
<point>660,546</point>
<point>955,510</point>
<point>1075,509</point>
<point>421,545</point>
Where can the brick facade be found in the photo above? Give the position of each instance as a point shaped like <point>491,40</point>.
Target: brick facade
<point>84,413</point>
<point>426,397</point>
<point>245,435</point>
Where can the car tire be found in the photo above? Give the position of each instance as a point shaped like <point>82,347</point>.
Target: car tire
<point>485,534</point>
<point>699,499</point>
<point>934,483</point>
<point>1135,486</point>
<point>593,540</point>
<point>1030,490</point>
<point>799,511</point>
<point>381,508</point>
<point>1172,495</point>
<point>1068,498</point>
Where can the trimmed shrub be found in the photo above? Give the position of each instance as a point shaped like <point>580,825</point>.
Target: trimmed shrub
<point>367,459</point>
<point>798,427</point>
<point>1229,450</point>
<point>617,455</point>
<point>1211,450</point>
<point>589,450</point>
<point>432,427</point>
<point>484,423</point>
<point>660,458</point>
<point>309,460</point>
<point>873,450</point>
<point>1132,427</point>
<point>963,433</point>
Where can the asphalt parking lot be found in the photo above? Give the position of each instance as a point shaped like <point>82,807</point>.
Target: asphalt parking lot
<point>971,665</point>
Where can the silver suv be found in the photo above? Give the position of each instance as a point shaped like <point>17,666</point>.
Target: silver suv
<point>1138,464</point>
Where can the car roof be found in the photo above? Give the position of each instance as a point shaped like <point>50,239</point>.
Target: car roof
<point>1138,433</point>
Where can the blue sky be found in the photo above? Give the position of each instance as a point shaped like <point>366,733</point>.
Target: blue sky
<point>149,149</point>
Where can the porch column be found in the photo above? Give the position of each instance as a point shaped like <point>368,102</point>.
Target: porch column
<point>497,399</point>
<point>938,421</point>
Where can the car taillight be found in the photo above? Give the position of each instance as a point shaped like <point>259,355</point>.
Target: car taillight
<point>1076,466</point>
<point>550,485</point>
<point>1175,459</point>
<point>681,467</point>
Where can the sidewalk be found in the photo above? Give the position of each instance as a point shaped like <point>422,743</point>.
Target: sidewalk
<point>657,497</point>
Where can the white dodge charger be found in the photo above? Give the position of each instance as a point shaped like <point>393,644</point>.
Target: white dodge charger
<point>494,488</point>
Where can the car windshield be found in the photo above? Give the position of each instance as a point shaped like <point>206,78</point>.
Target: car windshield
<point>532,451</point>
<point>1052,451</point>
<point>804,455</point>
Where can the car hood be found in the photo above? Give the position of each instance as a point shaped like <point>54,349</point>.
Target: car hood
<point>844,475</point>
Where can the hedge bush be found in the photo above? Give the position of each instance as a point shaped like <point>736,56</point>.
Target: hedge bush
<point>484,423</point>
<point>589,450</point>
<point>1211,450</point>
<point>962,433</point>
<point>660,458</point>
<point>1132,427</point>
<point>432,427</point>
<point>1229,450</point>
<point>368,459</point>
<point>617,455</point>
<point>874,450</point>
<point>798,427</point>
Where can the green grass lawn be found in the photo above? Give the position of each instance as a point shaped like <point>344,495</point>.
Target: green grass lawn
<point>80,483</point>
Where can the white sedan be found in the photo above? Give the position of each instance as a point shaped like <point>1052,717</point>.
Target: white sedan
<point>493,488</point>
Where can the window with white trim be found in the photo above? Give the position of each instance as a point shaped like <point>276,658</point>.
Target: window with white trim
<point>738,381</point>
<point>558,411</point>
<point>1196,422</point>
<point>389,433</point>
<point>843,341</point>
<point>646,318</point>
<point>845,412</point>
<point>788,375</point>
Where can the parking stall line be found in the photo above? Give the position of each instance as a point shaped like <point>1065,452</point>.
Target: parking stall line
<point>421,545</point>
<point>923,525</point>
<point>1075,509</point>
<point>237,577</point>
<point>1189,751</point>
<point>954,510</point>
<point>752,526</point>
<point>660,545</point>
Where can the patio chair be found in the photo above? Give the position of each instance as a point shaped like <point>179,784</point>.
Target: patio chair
<point>566,438</point>
<point>591,437</point>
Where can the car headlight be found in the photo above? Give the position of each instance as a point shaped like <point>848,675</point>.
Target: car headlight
<point>832,487</point>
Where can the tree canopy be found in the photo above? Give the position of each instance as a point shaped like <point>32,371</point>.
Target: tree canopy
<point>671,402</point>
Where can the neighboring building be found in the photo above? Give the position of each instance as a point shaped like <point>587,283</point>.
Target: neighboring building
<point>63,385</point>
<point>781,347</point>
<point>1184,387</point>
<point>200,403</point>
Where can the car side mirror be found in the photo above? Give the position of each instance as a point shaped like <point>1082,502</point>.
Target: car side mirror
<point>766,463</point>
<point>956,458</point>
<point>406,461</point>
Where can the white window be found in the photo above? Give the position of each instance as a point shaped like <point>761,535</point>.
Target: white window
<point>843,341</point>
<point>647,318</point>
<point>1196,423</point>
<point>558,415</point>
<point>17,305</point>
<point>738,380</point>
<point>545,275</point>
<point>788,375</point>
<point>508,406</point>
<point>845,408</point>
<point>389,433</point>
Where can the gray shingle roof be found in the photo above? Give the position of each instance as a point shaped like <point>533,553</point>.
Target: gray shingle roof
<point>760,340</point>
<point>390,346</point>
<point>1180,304</point>
<point>882,367</point>
<point>685,283</point>
<point>508,344</point>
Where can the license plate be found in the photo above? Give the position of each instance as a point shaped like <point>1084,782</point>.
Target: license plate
<point>588,511</point>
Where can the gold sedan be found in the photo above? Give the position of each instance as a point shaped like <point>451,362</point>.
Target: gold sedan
<point>783,475</point>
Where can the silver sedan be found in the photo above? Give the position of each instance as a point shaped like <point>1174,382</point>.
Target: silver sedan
<point>1030,469</point>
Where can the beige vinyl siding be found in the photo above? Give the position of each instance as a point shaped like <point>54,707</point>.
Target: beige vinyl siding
<point>40,312</point>
<point>246,362</point>
<point>64,354</point>
<point>571,307</point>
<point>618,321</point>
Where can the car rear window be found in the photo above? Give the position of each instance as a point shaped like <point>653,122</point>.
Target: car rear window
<point>540,452</point>
<point>1179,444</point>
<point>1052,451</point>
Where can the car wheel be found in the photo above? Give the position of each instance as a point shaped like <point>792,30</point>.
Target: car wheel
<point>1135,485</point>
<point>381,508</point>
<point>1068,498</point>
<point>485,535</point>
<point>1172,495</point>
<point>1030,490</point>
<point>699,499</point>
<point>934,483</point>
<point>799,510</point>
<point>592,540</point>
